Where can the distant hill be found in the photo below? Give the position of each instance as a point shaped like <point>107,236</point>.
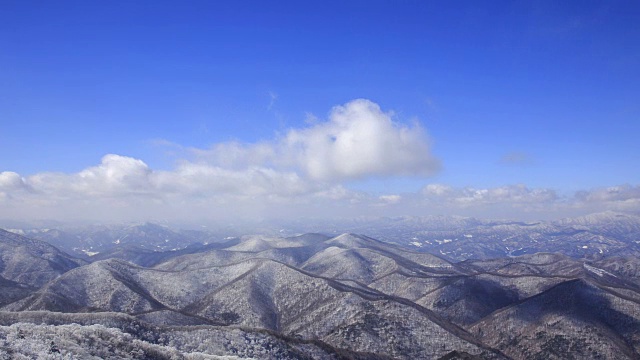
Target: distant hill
<point>455,238</point>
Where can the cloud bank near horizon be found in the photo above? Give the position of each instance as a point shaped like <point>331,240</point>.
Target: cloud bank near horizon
<point>299,174</point>
<point>122,188</point>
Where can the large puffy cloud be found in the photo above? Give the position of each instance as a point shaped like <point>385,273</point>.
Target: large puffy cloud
<point>11,183</point>
<point>115,175</point>
<point>358,140</point>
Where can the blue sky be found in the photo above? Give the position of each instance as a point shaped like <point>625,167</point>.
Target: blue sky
<point>542,94</point>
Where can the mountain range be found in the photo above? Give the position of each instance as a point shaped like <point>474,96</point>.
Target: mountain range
<point>594,236</point>
<point>319,296</point>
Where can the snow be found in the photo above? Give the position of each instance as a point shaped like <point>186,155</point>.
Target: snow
<point>443,241</point>
<point>597,271</point>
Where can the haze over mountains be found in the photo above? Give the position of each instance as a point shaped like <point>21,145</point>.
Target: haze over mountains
<point>329,296</point>
<point>455,238</point>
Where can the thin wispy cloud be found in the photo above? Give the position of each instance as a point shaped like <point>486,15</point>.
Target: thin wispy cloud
<point>517,158</point>
<point>273,97</point>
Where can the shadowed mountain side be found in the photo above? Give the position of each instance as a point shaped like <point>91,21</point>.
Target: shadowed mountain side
<point>573,319</point>
<point>32,262</point>
<point>11,291</point>
<point>469,299</point>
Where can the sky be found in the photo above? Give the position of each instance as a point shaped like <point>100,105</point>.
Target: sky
<point>220,110</point>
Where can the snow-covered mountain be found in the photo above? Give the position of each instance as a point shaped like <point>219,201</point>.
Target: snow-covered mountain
<point>594,236</point>
<point>314,296</point>
<point>455,238</point>
<point>86,241</point>
<point>32,262</point>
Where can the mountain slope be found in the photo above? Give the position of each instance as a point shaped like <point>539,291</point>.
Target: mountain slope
<point>350,294</point>
<point>32,262</point>
<point>259,293</point>
<point>573,319</point>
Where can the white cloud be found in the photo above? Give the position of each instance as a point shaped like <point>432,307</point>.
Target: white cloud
<point>620,193</point>
<point>122,176</point>
<point>390,199</point>
<point>622,198</point>
<point>206,180</point>
<point>514,194</point>
<point>359,140</point>
<point>503,201</point>
<point>116,175</point>
<point>11,181</point>
<point>297,174</point>
<point>272,99</point>
<point>124,188</point>
<point>235,155</point>
<point>436,190</point>
<point>520,201</point>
